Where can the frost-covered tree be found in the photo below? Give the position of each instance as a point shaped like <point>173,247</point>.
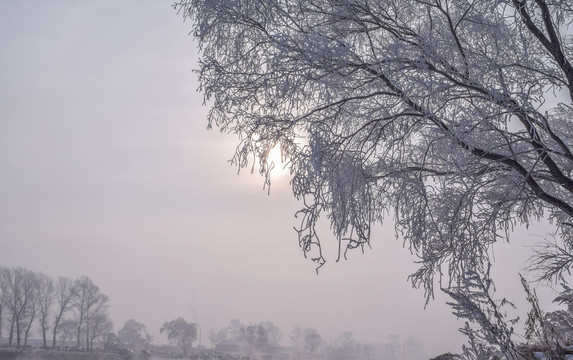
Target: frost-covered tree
<point>305,339</point>
<point>455,117</point>
<point>489,331</point>
<point>561,321</point>
<point>274,333</point>
<point>312,340</point>
<point>344,347</point>
<point>181,333</point>
<point>296,337</point>
<point>262,335</point>
<point>134,335</point>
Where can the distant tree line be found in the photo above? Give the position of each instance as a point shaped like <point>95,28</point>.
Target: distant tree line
<point>257,336</point>
<point>75,313</point>
<point>62,309</point>
<point>306,342</point>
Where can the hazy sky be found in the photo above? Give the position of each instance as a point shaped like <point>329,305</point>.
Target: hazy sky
<point>106,170</point>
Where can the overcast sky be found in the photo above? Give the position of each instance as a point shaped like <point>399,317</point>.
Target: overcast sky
<point>107,170</point>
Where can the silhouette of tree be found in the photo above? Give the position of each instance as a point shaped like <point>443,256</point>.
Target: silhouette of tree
<point>134,334</point>
<point>64,295</point>
<point>180,332</point>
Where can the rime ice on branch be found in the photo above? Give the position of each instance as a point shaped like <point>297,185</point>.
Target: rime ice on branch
<point>453,116</point>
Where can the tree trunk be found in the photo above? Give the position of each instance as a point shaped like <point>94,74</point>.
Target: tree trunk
<point>1,308</point>
<point>87,334</point>
<point>78,336</point>
<point>11,332</point>
<point>18,334</point>
<point>44,331</point>
<point>56,324</point>
<point>26,333</point>
<point>79,330</point>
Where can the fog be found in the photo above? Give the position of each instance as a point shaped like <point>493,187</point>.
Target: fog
<point>107,170</point>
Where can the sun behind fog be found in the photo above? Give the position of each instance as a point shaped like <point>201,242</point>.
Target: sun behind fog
<point>275,157</point>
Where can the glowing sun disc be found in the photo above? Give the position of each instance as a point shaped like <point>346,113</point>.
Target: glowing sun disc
<point>275,157</point>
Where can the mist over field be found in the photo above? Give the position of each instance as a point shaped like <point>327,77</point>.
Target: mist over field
<point>109,176</point>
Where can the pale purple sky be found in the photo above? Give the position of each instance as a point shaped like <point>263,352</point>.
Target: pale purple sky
<point>106,170</point>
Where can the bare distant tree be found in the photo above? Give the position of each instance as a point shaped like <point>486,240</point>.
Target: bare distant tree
<point>345,346</point>
<point>45,301</point>
<point>64,294</point>
<point>235,329</point>
<point>274,333</point>
<point>97,320</point>
<point>455,116</point>
<point>20,298</point>
<point>412,348</point>
<point>13,299</point>
<point>312,340</point>
<point>100,326</point>
<point>67,330</point>
<point>4,273</point>
<point>86,302</point>
<point>111,341</point>
<point>257,336</point>
<point>296,337</point>
<point>32,286</point>
<point>218,336</point>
